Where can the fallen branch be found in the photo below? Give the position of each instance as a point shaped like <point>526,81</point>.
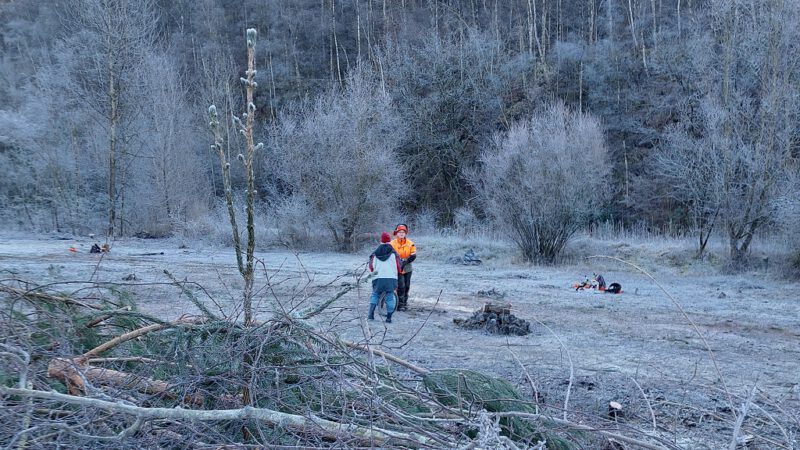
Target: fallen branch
<point>737,427</point>
<point>647,402</point>
<point>140,359</point>
<point>581,427</point>
<point>136,333</point>
<point>571,366</point>
<point>36,295</point>
<point>534,388</point>
<point>327,429</point>
<point>311,312</point>
<point>73,374</point>
<point>191,296</point>
<point>104,317</point>
<point>20,357</point>
<point>388,356</point>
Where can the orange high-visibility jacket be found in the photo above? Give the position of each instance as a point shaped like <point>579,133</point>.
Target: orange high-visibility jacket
<point>404,250</point>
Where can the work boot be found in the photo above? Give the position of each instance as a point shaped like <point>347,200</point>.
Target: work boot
<point>389,317</point>
<point>371,315</point>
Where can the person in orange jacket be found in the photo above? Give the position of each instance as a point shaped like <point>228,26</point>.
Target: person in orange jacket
<point>407,252</point>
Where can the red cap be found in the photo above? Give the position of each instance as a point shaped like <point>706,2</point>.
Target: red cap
<point>385,238</point>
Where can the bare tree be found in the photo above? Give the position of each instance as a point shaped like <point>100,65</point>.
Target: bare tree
<point>686,166</point>
<point>337,154</point>
<point>544,179</point>
<point>41,193</point>
<point>730,158</point>
<point>451,91</point>
<point>113,38</point>
<point>788,207</point>
<point>168,183</point>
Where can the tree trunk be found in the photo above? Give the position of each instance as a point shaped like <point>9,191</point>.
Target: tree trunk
<point>738,254</point>
<point>633,27</point>
<point>251,188</point>
<point>112,152</point>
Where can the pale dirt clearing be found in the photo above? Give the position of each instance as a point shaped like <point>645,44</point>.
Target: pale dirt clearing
<point>635,348</point>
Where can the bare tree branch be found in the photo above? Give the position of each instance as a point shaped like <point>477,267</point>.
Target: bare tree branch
<point>36,295</point>
<point>137,333</point>
<point>581,427</point>
<point>325,428</point>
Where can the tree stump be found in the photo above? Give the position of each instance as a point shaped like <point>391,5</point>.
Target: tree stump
<point>615,410</point>
<point>501,308</point>
<point>495,319</point>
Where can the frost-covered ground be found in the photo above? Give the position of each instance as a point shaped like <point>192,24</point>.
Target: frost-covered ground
<point>636,348</point>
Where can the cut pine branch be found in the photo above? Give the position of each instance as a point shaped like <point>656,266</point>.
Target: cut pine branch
<point>190,295</point>
<point>41,296</point>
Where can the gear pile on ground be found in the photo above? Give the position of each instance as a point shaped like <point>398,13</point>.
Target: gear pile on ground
<point>495,322</point>
<point>469,259</point>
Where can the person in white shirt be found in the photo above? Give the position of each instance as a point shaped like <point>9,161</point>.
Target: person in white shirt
<point>385,264</point>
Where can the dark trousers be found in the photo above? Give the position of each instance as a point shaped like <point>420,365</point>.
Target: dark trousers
<point>403,285</point>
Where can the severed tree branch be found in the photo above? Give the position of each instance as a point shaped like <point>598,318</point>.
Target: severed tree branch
<point>737,427</point>
<point>191,296</point>
<point>137,333</point>
<point>99,319</point>
<point>325,428</point>
<point>313,311</point>
<point>390,357</point>
<point>36,295</point>
<point>139,359</point>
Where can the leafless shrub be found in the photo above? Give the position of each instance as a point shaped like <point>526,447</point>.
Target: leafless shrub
<point>789,219</point>
<point>467,223</point>
<point>214,227</point>
<point>337,156</point>
<point>292,224</point>
<point>423,222</point>
<point>544,180</point>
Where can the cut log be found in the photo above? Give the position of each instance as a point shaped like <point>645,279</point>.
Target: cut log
<point>73,374</point>
<point>500,308</point>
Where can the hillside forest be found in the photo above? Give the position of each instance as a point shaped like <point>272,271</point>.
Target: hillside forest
<point>535,119</point>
